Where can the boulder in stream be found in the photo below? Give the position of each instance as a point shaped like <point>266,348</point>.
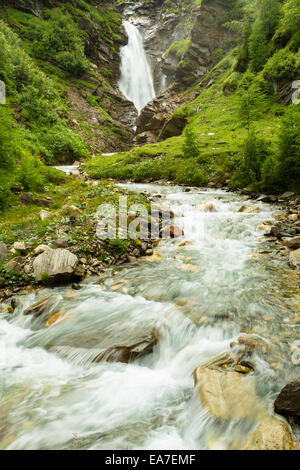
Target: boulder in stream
<point>293,243</point>
<point>231,395</point>
<point>271,434</point>
<point>39,307</point>
<point>288,401</point>
<point>252,210</point>
<point>172,231</point>
<point>129,353</point>
<point>58,266</point>
<point>226,394</point>
<point>294,259</point>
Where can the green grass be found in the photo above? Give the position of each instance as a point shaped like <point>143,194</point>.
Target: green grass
<point>211,113</point>
<point>22,222</point>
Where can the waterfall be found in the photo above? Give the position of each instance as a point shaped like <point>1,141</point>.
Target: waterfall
<point>136,82</point>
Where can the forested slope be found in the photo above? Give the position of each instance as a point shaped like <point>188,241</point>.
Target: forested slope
<point>60,64</point>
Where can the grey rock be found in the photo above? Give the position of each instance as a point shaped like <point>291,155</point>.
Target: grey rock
<point>293,243</point>
<point>3,252</point>
<point>288,401</point>
<point>294,259</point>
<point>59,265</point>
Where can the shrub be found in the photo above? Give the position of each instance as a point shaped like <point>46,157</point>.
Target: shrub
<point>61,41</point>
<point>190,146</point>
<point>289,149</point>
<point>253,154</point>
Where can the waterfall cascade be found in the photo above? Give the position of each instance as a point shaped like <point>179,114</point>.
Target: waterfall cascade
<point>136,82</point>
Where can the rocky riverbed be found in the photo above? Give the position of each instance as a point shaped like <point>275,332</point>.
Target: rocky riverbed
<point>202,334</point>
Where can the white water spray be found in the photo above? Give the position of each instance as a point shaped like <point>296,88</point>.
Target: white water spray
<point>136,81</point>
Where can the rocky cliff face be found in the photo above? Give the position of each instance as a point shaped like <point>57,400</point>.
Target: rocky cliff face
<point>209,43</point>
<point>161,26</point>
<point>184,44</point>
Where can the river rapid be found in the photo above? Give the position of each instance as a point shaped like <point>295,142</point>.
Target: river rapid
<point>200,297</point>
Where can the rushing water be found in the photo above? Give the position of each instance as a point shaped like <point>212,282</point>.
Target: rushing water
<point>199,297</point>
<point>136,81</point>
<point>68,169</point>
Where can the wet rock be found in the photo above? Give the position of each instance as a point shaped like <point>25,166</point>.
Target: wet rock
<point>190,267</point>
<point>130,353</point>
<point>156,257</point>
<point>184,243</point>
<point>288,401</point>
<point>249,344</point>
<point>57,265</point>
<point>131,216</point>
<point>39,307</point>
<point>271,434</point>
<point>165,211</point>
<point>252,210</point>
<point>242,369</point>
<point>209,208</point>
<point>294,259</point>
<point>223,359</point>
<point>3,252</point>
<point>54,318</point>
<point>172,231</point>
<point>131,259</point>
<point>266,198</point>
<point>227,395</point>
<point>293,243</point>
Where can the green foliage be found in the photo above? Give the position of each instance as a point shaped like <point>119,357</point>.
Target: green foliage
<point>262,31</point>
<point>289,25</point>
<point>251,105</point>
<point>60,40</point>
<point>11,278</point>
<point>178,48</point>
<point>190,146</point>
<point>289,149</point>
<point>40,107</point>
<point>283,65</point>
<point>118,246</point>
<point>254,152</point>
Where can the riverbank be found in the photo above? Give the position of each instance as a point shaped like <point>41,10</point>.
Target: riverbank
<point>63,217</point>
<point>72,227</point>
<point>216,302</point>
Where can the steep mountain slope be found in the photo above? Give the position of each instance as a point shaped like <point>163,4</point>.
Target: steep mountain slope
<point>230,68</point>
<point>60,65</point>
<point>242,113</point>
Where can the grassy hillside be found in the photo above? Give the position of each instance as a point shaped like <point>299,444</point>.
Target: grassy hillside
<point>240,129</point>
<point>43,59</point>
